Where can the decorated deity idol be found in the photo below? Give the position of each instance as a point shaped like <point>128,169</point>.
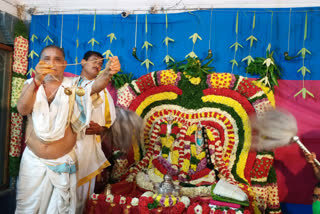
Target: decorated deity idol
<point>199,138</point>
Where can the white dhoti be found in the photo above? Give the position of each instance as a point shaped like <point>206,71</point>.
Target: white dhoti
<point>46,186</point>
<point>91,159</point>
<point>49,186</point>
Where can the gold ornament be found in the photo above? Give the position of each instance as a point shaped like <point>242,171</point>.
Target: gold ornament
<point>67,91</point>
<point>80,91</point>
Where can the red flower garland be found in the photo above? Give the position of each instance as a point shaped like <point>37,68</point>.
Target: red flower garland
<point>205,208</point>
<point>156,90</point>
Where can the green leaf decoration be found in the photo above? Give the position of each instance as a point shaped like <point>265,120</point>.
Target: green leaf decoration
<point>31,71</point>
<point>107,54</point>
<point>269,48</point>
<point>303,52</point>
<point>251,38</point>
<point>306,26</point>
<point>191,55</point>
<point>267,69</point>
<point>92,41</point>
<point>254,20</point>
<point>33,37</point>
<point>168,58</point>
<point>120,79</point>
<point>234,62</point>
<point>166,20</point>
<point>304,93</point>
<point>112,37</point>
<point>249,59</point>
<point>49,18</point>
<point>303,70</point>
<point>194,37</point>
<point>20,29</point>
<point>147,63</point>
<point>146,45</point>
<point>167,40</point>
<point>32,53</point>
<point>146,22</point>
<point>237,23</point>
<point>94,20</point>
<point>48,39</point>
<point>236,45</point>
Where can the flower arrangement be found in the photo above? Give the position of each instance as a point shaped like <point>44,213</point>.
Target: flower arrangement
<point>222,103</point>
<point>148,203</point>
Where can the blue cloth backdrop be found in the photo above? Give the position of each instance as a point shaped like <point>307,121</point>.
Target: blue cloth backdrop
<point>271,26</point>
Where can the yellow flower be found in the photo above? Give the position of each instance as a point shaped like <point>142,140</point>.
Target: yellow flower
<point>168,77</point>
<point>186,165</point>
<point>220,80</point>
<point>195,80</point>
<point>175,157</point>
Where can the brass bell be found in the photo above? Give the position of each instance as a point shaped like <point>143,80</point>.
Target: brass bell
<point>80,91</point>
<point>67,91</point>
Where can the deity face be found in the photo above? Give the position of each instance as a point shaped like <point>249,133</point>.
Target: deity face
<point>199,127</point>
<point>170,119</point>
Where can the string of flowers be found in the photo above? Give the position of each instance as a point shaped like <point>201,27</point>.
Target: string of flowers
<point>19,70</point>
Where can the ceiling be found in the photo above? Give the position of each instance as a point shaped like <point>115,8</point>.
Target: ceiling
<point>142,6</point>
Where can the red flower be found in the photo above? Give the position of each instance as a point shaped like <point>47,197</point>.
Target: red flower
<point>218,212</point>
<point>116,199</point>
<point>230,211</point>
<point>246,212</point>
<point>205,209</point>
<point>102,197</point>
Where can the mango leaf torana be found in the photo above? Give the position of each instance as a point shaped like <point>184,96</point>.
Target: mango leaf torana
<point>249,59</point>
<point>107,54</point>
<point>112,37</point>
<point>167,40</point>
<point>303,52</point>
<point>251,38</point>
<point>146,45</point>
<point>147,63</point>
<point>92,41</point>
<point>33,37</point>
<point>168,58</point>
<point>304,92</point>
<point>32,53</point>
<point>191,54</point>
<point>194,37</point>
<point>303,70</point>
<point>236,45</point>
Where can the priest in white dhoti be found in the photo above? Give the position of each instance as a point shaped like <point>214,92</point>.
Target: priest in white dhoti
<point>58,110</point>
<point>91,159</point>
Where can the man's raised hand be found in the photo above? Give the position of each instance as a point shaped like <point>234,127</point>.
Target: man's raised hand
<point>42,69</point>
